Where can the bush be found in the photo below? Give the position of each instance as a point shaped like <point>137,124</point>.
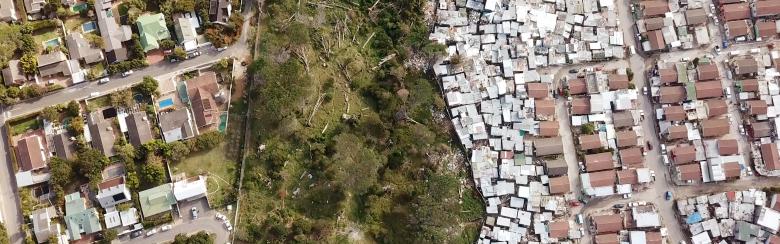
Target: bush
<point>207,141</point>
<point>41,24</point>
<point>124,66</point>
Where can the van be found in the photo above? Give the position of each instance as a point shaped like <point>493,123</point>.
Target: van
<point>666,159</point>
<point>579,219</point>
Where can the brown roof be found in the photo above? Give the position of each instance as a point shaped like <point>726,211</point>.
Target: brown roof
<point>674,113</point>
<point>201,90</point>
<point>677,132</point>
<point>714,127</point>
<point>774,239</point>
<point>580,106</point>
<point>766,28</point>
<point>767,8</point>
<point>695,16</point>
<point>745,66</point>
<point>751,85</point>
<point>559,185</point>
<point>652,8</point>
<point>544,107</point>
<point>111,183</point>
<point>602,178</point>
<point>689,172</point>
<point>138,129</point>
<point>656,39</point>
<point>735,11</point>
<point>707,71</point>
<point>731,169</point>
<point>631,156</point>
<point>737,28</point>
<point>708,89</point>
<point>653,237</point>
<point>728,147</point>
<point>654,23</point>
<point>672,94</point>
<point>770,156</point>
<point>716,107</point>
<point>757,107</point>
<point>30,153</point>
<point>548,128</point>
<point>578,86</point>
<point>599,161</point>
<point>683,154</point>
<point>622,119</point>
<point>607,239</point>
<point>538,90</point>
<point>608,223</point>
<point>760,129</point>
<point>668,75</point>
<point>627,176</point>
<point>617,81</point>
<point>588,142</point>
<point>548,146</point>
<point>627,138</point>
<point>559,229</point>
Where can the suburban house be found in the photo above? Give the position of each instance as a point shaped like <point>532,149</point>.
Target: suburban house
<point>79,218</point>
<point>114,218</point>
<point>138,129</point>
<point>34,7</point>
<point>186,34</point>
<point>153,29</point>
<point>13,75</point>
<point>64,148</point>
<point>113,34</point>
<point>176,125</point>
<point>113,192</point>
<point>31,154</point>
<point>220,10</point>
<point>204,95</point>
<point>57,63</point>
<point>43,227</point>
<point>188,190</point>
<point>157,200</point>
<point>80,49</point>
<point>102,136</point>
<point>7,11</point>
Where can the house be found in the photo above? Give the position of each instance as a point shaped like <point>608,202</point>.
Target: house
<point>56,63</point>
<point>716,107</point>
<point>656,40</point>
<point>34,7</point>
<point>757,107</point>
<point>112,33</point>
<point>769,219</point>
<point>13,75</point>
<point>558,229</point>
<point>31,154</point>
<point>683,154</point>
<point>607,239</point>
<point>544,108</point>
<point>623,119</point>
<point>695,16</point>
<point>612,223</point>
<point>186,34</point>
<point>79,218</point>
<point>668,75</point>
<point>676,132</point>
<point>745,66</point>
<point>577,86</point>
<point>64,147</point>
<point>708,89</point>
<point>560,185</point>
<point>750,85</point>
<point>7,11</point>
<point>549,128</point>
<point>112,192</point>
<point>538,90</point>
<point>188,190</point>
<point>600,183</point>
<point>652,24</point>
<point>599,162</point>
<point>707,71</point>
<point>689,172</point>
<point>220,10</point>
<point>588,142</point>
<point>124,218</point>
<point>736,11</point>
<point>153,29</point>
<point>654,8</point>
<point>760,129</point>
<point>738,28</point>
<point>176,125</point>
<point>732,170</point>
<point>556,167</point>
<point>138,129</point>
<point>714,127</point>
<point>204,93</point>
<point>631,156</point>
<point>674,113</point>
<point>80,49</point>
<point>580,106</point>
<point>548,146</point>
<point>770,156</point>
<point>617,81</point>
<point>672,94</point>
<point>43,228</point>
<point>767,8</point>
<point>103,138</point>
<point>627,176</point>
<point>156,200</point>
<point>765,29</point>
<point>627,138</point>
<point>727,147</point>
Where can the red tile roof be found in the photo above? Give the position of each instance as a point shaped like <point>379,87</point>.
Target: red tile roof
<point>627,139</point>
<point>766,28</point>
<point>674,113</point>
<point>578,86</point>
<point>770,156</point>
<point>580,106</point>
<point>683,154</point>
<point>617,82</point>
<point>544,108</point>
<point>689,172</point>
<point>716,107</point>
<point>548,128</point>
<point>672,94</point>
<point>767,8</point>
<point>707,71</point>
<point>728,147</point>
<point>588,142</point>
<point>668,75</point>
<point>627,176</point>
<point>677,132</point>
<point>559,229</point>
<point>757,107</point>
<point>656,39</point>
<point>631,156</point>
<point>735,11</point>
<point>738,28</point>
<point>652,8</point>
<point>751,85</point>
<point>714,127</point>
<point>602,178</point>
<point>559,185</point>
<point>709,89</point>
<point>731,169</point>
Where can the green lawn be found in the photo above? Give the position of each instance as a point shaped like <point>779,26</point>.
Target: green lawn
<point>21,126</point>
<point>100,102</point>
<point>221,171</point>
<point>45,35</point>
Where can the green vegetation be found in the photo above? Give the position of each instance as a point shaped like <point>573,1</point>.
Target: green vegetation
<point>214,163</point>
<point>198,238</point>
<point>147,87</point>
<point>588,129</point>
<point>347,135</point>
<point>4,235</point>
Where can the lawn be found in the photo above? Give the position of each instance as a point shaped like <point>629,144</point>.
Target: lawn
<point>220,168</point>
<point>100,102</point>
<point>23,125</point>
<point>45,35</point>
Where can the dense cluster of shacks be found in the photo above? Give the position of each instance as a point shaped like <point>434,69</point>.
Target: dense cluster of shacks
<point>694,121</point>
<point>639,223</point>
<point>603,113</point>
<point>746,20</point>
<point>749,216</point>
<point>502,103</point>
<point>670,25</point>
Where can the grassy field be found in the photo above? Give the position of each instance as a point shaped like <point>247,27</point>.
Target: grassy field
<point>21,126</point>
<point>215,163</point>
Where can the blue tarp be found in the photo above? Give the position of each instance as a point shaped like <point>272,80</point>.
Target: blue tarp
<point>693,218</point>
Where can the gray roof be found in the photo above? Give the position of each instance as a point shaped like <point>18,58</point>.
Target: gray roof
<point>184,30</point>
<point>7,10</point>
<point>102,134</point>
<point>13,74</point>
<point>138,128</point>
<point>113,34</point>
<point>63,147</point>
<point>51,58</point>
<point>219,10</point>
<point>42,225</point>
<point>176,125</point>
<point>80,48</point>
<point>34,6</point>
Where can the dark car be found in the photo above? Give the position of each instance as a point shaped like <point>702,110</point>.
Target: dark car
<point>573,71</point>
<point>136,234</point>
<point>619,205</point>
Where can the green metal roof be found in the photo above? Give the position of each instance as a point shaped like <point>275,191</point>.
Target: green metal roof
<point>157,200</point>
<point>690,90</point>
<point>682,72</point>
<point>152,29</point>
<point>78,218</point>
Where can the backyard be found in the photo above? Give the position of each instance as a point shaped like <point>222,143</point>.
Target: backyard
<point>220,169</point>
<point>26,124</point>
<point>46,36</point>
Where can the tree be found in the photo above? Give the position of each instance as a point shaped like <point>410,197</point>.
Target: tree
<point>153,172</point>
<point>184,6</point>
<point>61,172</point>
<point>91,163</point>
<point>73,108</point>
<point>167,44</point>
<point>177,151</point>
<point>588,129</point>
<point>108,236</point>
<point>126,152</point>
<point>94,40</point>
<point>353,158</point>
<point>207,141</point>
<point>51,114</point>
<point>148,87</point>
<point>76,125</point>
<point>4,235</point>
<point>121,98</point>
<point>33,90</point>
<point>139,4</point>
<point>179,53</point>
<point>29,64</point>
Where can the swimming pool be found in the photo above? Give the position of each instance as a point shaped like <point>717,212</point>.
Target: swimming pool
<point>166,103</point>
<point>89,26</point>
<point>52,43</point>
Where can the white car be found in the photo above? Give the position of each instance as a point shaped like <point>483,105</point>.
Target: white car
<point>166,227</point>
<point>228,226</point>
<point>221,217</point>
<point>94,94</point>
<point>104,80</point>
<point>221,49</point>
<point>151,232</point>
<point>127,73</point>
<point>194,211</point>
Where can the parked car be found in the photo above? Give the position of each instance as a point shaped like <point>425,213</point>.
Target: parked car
<point>166,227</point>
<point>194,211</point>
<point>228,226</point>
<point>151,232</point>
<point>94,94</point>
<point>668,195</point>
<point>579,219</point>
<point>127,73</point>
<point>136,234</point>
<point>103,80</point>
<point>619,205</point>
<point>220,217</point>
<point>221,49</point>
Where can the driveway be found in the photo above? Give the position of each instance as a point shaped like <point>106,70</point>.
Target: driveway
<point>184,224</point>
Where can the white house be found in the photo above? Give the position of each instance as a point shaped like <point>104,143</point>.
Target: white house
<point>113,192</point>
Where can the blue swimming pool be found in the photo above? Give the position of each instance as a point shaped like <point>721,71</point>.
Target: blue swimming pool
<point>166,103</point>
<point>52,43</point>
<point>89,26</point>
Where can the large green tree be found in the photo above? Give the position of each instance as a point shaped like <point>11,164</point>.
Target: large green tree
<point>148,87</point>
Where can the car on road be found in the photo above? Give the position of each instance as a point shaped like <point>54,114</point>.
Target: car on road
<point>668,195</point>
<point>127,73</point>
<point>104,80</point>
<point>136,234</point>
<point>579,219</point>
<point>228,226</point>
<point>221,49</point>
<point>194,211</point>
<point>619,205</point>
<point>94,94</point>
<point>151,232</point>
<point>166,227</point>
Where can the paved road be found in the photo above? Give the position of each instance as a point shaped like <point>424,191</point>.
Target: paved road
<point>187,226</point>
